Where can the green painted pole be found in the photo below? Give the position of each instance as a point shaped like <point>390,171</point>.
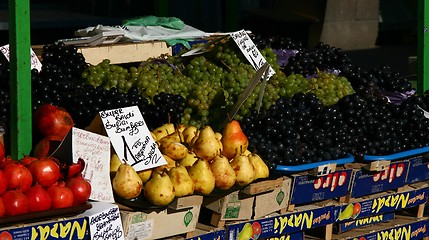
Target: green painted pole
<point>20,78</point>
<point>423,46</point>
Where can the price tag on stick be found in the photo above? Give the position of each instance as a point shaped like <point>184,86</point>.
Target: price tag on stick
<point>249,89</point>
<point>250,51</point>
<point>131,138</point>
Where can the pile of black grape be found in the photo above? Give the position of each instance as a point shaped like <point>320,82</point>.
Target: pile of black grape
<point>60,83</point>
<point>301,130</point>
<point>297,131</point>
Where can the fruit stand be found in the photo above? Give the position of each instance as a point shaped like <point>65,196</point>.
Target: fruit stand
<point>241,137</point>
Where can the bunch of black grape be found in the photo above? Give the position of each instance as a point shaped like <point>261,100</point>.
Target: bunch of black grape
<point>322,57</point>
<point>283,47</point>
<point>380,128</point>
<point>297,130</point>
<point>167,108</point>
<point>60,83</point>
<point>61,72</point>
<point>386,79</point>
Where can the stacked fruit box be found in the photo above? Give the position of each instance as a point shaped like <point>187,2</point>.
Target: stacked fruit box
<point>384,198</point>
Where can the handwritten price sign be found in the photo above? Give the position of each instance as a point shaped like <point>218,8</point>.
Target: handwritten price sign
<point>250,51</point>
<point>35,62</point>
<point>131,138</point>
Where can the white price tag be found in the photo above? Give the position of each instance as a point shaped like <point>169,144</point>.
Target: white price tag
<point>131,138</point>
<point>250,51</point>
<point>35,62</point>
<point>95,150</point>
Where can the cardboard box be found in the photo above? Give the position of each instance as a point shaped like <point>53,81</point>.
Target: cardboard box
<point>307,188</point>
<point>102,221</point>
<point>72,228</point>
<point>384,202</point>
<point>161,223</point>
<point>305,217</point>
<point>365,182</point>
<point>125,52</point>
<point>233,207</point>
<point>403,228</point>
<point>290,236</point>
<point>205,232</point>
<point>418,170</point>
<point>362,222</point>
<point>273,201</point>
<point>257,200</point>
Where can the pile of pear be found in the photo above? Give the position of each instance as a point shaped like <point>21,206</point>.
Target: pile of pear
<point>198,161</point>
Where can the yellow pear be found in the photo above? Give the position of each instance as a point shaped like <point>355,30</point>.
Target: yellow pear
<point>180,128</point>
<point>206,146</point>
<point>170,163</point>
<point>219,140</point>
<point>202,176</point>
<point>244,170</point>
<point>190,134</point>
<point>159,189</point>
<point>261,168</point>
<point>154,136</point>
<point>115,162</point>
<point>145,174</point>
<point>163,130</point>
<point>189,159</point>
<point>223,172</point>
<point>127,183</point>
<point>171,146</point>
<point>182,182</point>
<point>247,152</point>
<point>234,141</point>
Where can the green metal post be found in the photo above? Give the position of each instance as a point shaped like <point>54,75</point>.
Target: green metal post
<point>423,46</point>
<point>20,78</point>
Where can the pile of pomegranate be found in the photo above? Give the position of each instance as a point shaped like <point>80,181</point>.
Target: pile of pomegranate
<point>40,182</point>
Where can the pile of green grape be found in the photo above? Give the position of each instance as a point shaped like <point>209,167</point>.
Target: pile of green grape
<point>329,88</point>
<point>212,82</point>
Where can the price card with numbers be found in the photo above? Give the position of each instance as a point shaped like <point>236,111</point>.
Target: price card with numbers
<point>250,51</point>
<point>131,138</point>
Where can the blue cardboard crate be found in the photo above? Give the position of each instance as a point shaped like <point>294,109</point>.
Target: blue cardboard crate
<point>307,188</point>
<point>76,228</point>
<point>383,203</point>
<point>402,228</point>
<point>362,222</point>
<point>365,182</point>
<point>303,218</point>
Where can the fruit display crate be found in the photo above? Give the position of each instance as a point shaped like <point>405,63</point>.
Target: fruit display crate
<point>119,53</point>
<point>256,200</point>
<point>101,221</point>
<point>179,218</point>
<point>366,182</point>
<point>308,188</point>
<point>401,228</point>
<point>418,169</point>
<point>381,207</point>
<point>286,224</point>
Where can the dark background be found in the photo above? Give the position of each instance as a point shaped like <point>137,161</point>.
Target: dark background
<point>52,20</point>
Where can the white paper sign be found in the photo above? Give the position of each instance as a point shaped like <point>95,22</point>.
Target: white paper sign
<point>106,224</point>
<point>131,138</point>
<point>250,51</point>
<point>35,62</point>
<point>94,149</point>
